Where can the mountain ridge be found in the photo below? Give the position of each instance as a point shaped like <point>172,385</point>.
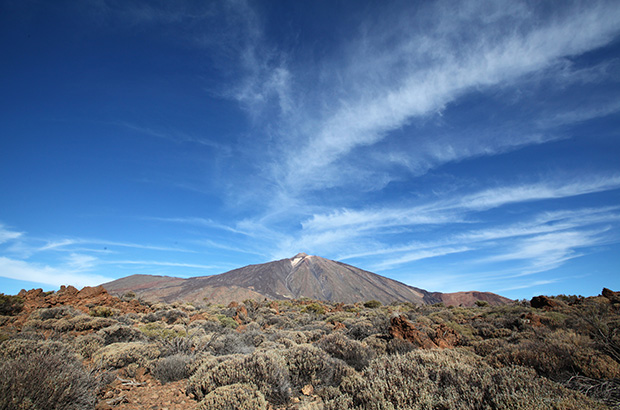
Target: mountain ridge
<point>291,278</point>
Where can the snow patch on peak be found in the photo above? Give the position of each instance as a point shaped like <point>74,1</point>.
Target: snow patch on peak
<point>298,258</point>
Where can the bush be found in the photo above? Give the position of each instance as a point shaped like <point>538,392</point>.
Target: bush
<point>308,364</point>
<point>102,311</point>
<point>119,355</point>
<point>10,305</point>
<point>356,354</point>
<point>87,345</point>
<point>82,323</point>
<point>40,375</point>
<point>451,379</point>
<point>267,370</point>
<point>315,308</point>
<point>372,304</point>
<point>158,330</point>
<point>173,368</point>
<point>120,334</point>
<point>238,396</point>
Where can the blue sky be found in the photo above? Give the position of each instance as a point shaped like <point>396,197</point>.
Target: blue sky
<point>451,145</point>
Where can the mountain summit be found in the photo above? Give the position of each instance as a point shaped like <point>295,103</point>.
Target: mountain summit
<point>300,276</point>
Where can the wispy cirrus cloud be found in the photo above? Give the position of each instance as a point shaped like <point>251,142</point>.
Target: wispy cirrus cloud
<point>419,74</point>
<point>49,275</point>
<point>7,235</point>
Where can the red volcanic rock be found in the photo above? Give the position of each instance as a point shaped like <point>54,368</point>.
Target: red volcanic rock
<point>275,306</point>
<point>445,337</point>
<point>614,297</point>
<point>339,326</point>
<point>242,314</point>
<point>540,302</point>
<point>90,292</point>
<point>82,300</point>
<point>442,337</point>
<point>401,328</point>
<point>532,319</point>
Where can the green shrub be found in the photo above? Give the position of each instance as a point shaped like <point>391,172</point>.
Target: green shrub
<point>10,305</point>
<point>315,308</point>
<point>228,321</point>
<point>40,375</point>
<point>103,311</point>
<point>158,330</point>
<point>238,396</point>
<point>372,304</point>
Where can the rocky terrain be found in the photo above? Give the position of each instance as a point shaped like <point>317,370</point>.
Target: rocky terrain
<point>88,349</point>
<point>297,277</point>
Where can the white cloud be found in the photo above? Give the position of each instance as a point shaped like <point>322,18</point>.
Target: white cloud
<point>39,273</point>
<point>159,263</point>
<point>8,235</point>
<point>381,89</point>
<point>419,255</point>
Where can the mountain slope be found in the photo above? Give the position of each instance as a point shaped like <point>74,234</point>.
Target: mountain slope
<point>300,276</point>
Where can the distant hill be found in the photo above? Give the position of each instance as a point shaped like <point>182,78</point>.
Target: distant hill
<point>300,276</point>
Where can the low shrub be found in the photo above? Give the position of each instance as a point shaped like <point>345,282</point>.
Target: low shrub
<point>372,304</point>
<point>356,354</point>
<point>308,364</point>
<point>119,355</point>
<point>84,323</point>
<point>120,334</point>
<point>266,369</point>
<point>41,375</point>
<point>451,379</point>
<point>238,396</point>
<point>10,305</point>
<point>87,345</point>
<point>158,330</point>
<point>173,368</point>
<point>103,311</point>
<point>315,308</point>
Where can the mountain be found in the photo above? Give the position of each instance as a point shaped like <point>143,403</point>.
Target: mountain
<point>300,276</point>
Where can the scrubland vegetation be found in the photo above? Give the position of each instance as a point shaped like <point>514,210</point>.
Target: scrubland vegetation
<point>305,354</point>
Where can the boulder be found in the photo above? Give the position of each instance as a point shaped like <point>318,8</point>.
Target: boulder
<point>540,302</point>
<point>401,328</point>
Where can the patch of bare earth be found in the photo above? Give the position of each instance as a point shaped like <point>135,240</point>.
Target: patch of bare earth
<point>145,392</point>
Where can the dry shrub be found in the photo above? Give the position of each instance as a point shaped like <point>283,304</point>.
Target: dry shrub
<point>353,352</point>
<point>556,355</point>
<point>87,345</point>
<point>229,343</point>
<point>308,364</point>
<point>238,396</point>
<point>43,375</point>
<point>120,334</point>
<point>119,355</point>
<point>607,391</point>
<point>84,322</point>
<point>58,312</point>
<point>173,368</point>
<point>266,369</point>
<point>452,379</point>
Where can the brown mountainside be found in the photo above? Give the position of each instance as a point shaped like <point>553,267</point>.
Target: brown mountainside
<point>293,278</point>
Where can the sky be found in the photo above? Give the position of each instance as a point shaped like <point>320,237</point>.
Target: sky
<point>450,145</point>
